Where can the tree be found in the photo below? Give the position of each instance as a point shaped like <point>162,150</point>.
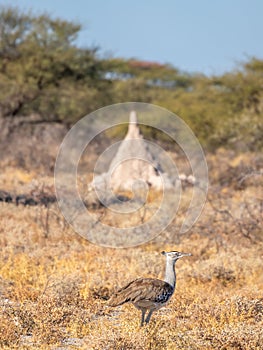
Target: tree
<point>40,64</point>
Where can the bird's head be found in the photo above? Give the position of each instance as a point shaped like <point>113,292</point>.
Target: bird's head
<point>174,255</point>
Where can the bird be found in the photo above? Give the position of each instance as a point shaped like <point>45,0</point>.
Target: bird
<point>150,294</point>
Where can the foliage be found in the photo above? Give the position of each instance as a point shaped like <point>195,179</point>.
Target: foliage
<point>43,71</point>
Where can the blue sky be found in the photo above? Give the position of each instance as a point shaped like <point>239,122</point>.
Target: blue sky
<point>193,35</point>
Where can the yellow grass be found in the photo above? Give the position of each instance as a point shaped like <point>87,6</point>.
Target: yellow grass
<point>54,285</point>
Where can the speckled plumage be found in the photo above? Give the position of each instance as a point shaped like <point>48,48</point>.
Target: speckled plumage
<point>148,290</point>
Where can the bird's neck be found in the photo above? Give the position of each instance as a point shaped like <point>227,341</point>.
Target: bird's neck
<point>170,275</point>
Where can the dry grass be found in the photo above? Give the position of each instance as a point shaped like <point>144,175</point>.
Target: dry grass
<point>54,284</point>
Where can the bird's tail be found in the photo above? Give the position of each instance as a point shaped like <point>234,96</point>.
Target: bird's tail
<point>122,296</point>
<point>118,299</point>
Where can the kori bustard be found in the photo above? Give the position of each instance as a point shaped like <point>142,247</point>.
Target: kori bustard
<point>150,294</point>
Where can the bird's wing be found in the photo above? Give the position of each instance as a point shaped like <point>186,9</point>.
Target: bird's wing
<point>142,289</point>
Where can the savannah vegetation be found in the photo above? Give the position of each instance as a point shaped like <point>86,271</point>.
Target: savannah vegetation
<point>54,285</point>
<point>44,72</point>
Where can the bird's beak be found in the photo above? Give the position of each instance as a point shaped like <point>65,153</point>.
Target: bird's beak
<point>184,254</point>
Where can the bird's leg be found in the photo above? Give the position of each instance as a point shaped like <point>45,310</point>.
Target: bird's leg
<point>143,314</point>
<point>149,316</point>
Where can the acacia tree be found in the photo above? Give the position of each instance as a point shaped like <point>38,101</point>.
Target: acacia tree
<point>42,70</point>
